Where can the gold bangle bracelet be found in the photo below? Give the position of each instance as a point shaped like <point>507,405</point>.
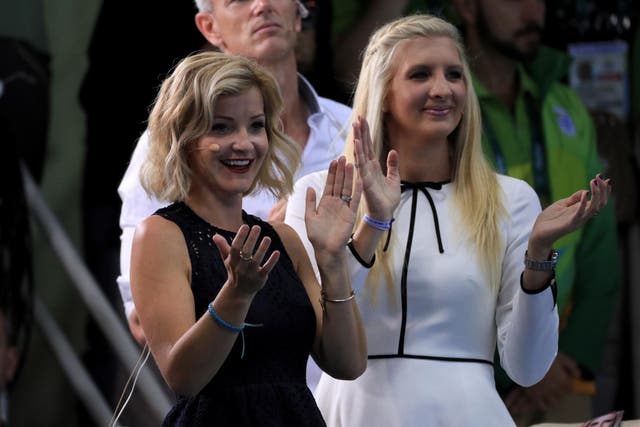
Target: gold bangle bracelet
<point>324,299</point>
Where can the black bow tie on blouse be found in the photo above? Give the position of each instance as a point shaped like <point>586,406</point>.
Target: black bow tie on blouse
<point>422,186</point>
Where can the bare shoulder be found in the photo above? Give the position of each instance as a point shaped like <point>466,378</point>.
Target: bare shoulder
<point>298,255</point>
<point>160,239</point>
<point>288,235</point>
<point>156,227</point>
<point>292,244</point>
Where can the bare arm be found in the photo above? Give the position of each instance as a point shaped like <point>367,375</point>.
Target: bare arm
<point>381,193</point>
<point>190,351</point>
<point>340,346</point>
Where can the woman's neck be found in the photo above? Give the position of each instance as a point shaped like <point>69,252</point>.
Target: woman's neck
<point>425,162</point>
<point>223,212</point>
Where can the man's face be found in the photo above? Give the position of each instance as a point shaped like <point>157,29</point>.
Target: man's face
<point>261,29</point>
<point>512,27</point>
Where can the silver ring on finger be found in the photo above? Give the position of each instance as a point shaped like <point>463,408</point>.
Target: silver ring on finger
<point>244,257</point>
<point>345,198</point>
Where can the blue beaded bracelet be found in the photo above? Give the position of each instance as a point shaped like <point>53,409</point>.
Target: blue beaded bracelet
<point>229,326</point>
<point>377,224</point>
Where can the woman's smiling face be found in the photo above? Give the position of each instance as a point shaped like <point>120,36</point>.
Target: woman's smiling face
<point>427,92</point>
<point>228,158</point>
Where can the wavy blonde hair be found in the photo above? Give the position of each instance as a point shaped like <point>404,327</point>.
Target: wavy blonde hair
<point>477,194</point>
<point>184,111</point>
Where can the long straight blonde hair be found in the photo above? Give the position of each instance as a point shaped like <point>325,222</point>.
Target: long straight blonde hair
<point>477,195</point>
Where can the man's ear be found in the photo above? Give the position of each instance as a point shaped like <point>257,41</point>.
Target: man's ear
<point>467,10</point>
<point>208,26</point>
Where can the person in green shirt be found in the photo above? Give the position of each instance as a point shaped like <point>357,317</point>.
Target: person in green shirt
<point>537,129</point>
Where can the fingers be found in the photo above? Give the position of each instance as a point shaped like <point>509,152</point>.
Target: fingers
<point>347,191</point>
<point>366,138</point>
<point>310,202</point>
<point>338,183</point>
<point>356,195</point>
<point>362,134</point>
<point>600,190</point>
<point>347,184</point>
<point>393,165</point>
<point>243,248</point>
<point>271,262</point>
<point>238,242</point>
<point>582,200</point>
<point>259,254</point>
<point>250,244</point>
<point>222,245</point>
<point>331,177</point>
<point>577,197</point>
<point>357,136</point>
<point>359,155</point>
<point>339,179</point>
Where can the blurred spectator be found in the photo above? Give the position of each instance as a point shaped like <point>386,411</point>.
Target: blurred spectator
<point>537,129</point>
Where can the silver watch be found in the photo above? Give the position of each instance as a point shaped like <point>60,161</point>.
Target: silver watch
<point>548,265</point>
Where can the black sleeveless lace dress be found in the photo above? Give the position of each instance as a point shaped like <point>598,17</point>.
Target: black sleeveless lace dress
<point>268,386</point>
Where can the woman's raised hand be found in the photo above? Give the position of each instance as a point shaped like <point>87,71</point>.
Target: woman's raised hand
<point>569,214</point>
<point>381,193</point>
<point>330,224</point>
<point>244,263</point>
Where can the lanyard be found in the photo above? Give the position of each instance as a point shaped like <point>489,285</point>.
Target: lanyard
<point>538,152</point>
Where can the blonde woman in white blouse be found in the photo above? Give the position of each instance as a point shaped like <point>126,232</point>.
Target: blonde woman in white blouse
<point>437,252</point>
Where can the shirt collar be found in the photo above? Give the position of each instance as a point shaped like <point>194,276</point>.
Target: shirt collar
<point>309,95</point>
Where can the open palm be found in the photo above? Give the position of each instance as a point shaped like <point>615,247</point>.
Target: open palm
<point>329,225</point>
<point>381,193</point>
<point>568,214</point>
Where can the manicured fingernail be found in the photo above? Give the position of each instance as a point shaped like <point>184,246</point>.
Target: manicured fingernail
<point>595,181</point>
<point>600,176</point>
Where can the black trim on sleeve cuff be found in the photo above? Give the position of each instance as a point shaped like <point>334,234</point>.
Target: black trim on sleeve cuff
<point>552,284</point>
<point>357,256</point>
